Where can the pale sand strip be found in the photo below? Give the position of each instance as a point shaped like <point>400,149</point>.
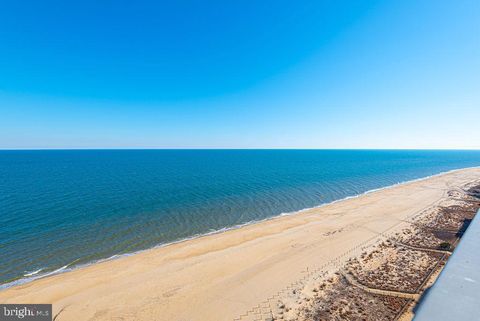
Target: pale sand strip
<point>221,276</point>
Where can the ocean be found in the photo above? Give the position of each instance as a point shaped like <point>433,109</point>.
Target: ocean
<point>61,209</point>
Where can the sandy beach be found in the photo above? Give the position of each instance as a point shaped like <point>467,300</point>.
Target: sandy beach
<point>231,275</point>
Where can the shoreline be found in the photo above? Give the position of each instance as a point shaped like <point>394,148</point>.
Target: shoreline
<point>36,275</point>
<point>223,276</point>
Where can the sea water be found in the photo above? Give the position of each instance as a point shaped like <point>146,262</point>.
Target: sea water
<point>61,209</point>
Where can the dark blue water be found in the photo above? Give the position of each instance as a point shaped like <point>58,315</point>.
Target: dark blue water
<point>67,208</point>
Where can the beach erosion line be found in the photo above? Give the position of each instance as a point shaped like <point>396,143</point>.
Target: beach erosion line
<point>35,275</point>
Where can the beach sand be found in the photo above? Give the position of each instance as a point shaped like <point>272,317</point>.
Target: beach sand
<point>223,276</point>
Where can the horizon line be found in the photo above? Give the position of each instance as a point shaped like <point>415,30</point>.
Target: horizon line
<point>195,148</point>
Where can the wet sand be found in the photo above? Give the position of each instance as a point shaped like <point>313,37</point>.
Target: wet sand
<point>226,275</point>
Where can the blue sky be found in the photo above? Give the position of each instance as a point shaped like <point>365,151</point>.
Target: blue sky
<point>240,74</point>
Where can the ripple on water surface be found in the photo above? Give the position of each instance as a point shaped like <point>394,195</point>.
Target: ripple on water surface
<point>62,209</point>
